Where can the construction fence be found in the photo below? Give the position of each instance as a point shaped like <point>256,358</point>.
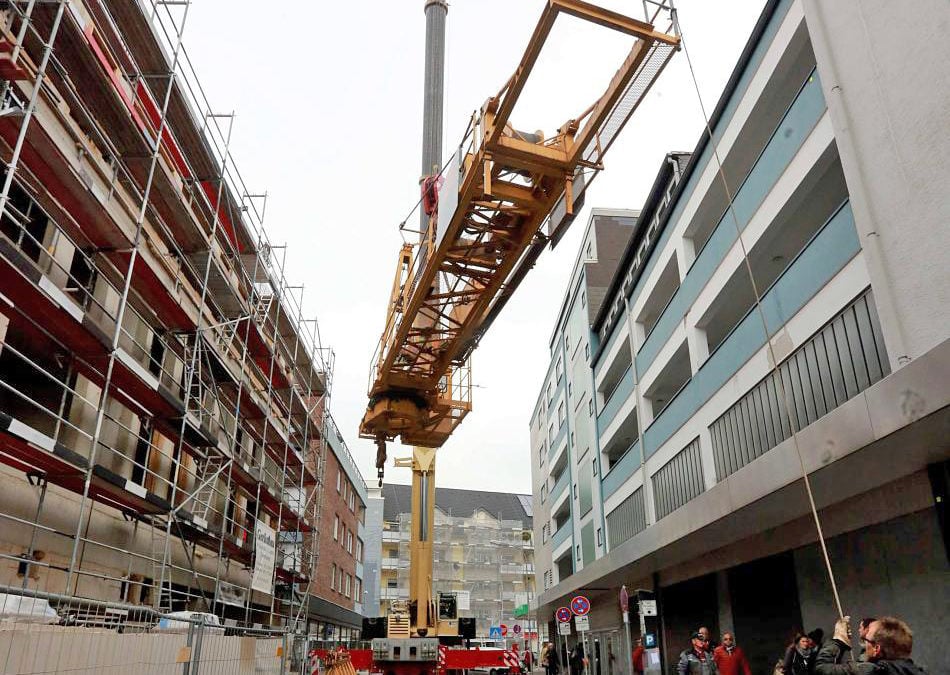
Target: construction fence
<point>49,633</point>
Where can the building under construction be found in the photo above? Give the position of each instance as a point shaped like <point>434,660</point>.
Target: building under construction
<point>164,403</point>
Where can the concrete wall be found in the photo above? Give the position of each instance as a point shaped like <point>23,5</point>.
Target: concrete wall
<point>885,68</point>
<point>898,568</point>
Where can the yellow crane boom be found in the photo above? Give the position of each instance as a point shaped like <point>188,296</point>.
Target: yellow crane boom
<point>500,188</point>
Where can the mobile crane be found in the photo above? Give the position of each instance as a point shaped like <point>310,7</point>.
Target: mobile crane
<point>505,195</point>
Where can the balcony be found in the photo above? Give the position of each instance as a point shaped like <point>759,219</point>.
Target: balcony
<point>562,483</point>
<point>835,244</point>
<point>802,116</point>
<point>563,533</point>
<point>841,360</point>
<point>616,399</point>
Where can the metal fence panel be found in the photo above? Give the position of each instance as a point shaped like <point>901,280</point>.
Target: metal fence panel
<point>679,480</point>
<point>842,359</point>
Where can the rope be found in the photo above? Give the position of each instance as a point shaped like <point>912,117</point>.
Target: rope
<point>759,311</point>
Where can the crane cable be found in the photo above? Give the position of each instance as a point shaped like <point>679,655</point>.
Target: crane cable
<point>760,312</point>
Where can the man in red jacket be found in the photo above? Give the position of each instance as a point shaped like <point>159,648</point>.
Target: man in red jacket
<point>730,659</point>
<point>638,657</point>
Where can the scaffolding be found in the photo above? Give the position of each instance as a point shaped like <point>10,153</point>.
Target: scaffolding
<point>164,401</point>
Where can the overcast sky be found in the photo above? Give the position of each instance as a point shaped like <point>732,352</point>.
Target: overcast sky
<point>328,97</point>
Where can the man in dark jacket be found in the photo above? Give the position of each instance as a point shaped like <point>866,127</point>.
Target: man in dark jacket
<point>697,660</point>
<point>888,645</point>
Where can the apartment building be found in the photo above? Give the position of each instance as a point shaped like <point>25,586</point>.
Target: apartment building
<point>562,432</point>
<point>165,427</point>
<point>779,311</point>
<point>483,551</point>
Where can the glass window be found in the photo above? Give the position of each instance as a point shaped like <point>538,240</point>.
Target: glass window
<point>336,528</point>
<point>590,406</point>
<point>333,577</point>
<point>339,480</point>
<point>359,550</point>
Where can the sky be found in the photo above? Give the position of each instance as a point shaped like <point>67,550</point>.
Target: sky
<point>328,121</point>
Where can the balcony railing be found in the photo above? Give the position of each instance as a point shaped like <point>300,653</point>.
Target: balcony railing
<point>841,360</point>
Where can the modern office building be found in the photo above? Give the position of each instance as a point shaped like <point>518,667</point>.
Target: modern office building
<point>165,428</point>
<point>781,310</point>
<point>483,551</point>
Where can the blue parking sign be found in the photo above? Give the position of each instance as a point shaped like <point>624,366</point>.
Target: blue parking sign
<point>494,633</point>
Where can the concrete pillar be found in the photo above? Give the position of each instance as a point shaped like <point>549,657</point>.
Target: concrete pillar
<point>724,603</point>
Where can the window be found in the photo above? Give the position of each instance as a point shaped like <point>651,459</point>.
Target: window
<point>545,532</point>
<point>544,493</point>
<point>590,406</point>
<point>560,414</point>
<point>352,500</point>
<point>578,553</point>
<point>558,370</point>
<point>339,480</point>
<point>336,528</point>
<point>346,592</point>
<point>587,351</point>
<point>584,299</point>
<point>339,581</point>
<point>575,490</point>
<point>333,577</point>
<point>573,444</point>
<point>567,343</point>
<point>359,550</point>
<point>570,388</point>
<point>349,542</point>
<point>600,537</point>
<point>551,432</point>
<point>550,394</point>
<point>358,589</point>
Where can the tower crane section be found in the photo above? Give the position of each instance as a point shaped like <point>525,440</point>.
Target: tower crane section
<point>486,229</point>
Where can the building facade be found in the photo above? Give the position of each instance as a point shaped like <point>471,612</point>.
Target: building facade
<point>336,602</point>
<point>165,427</point>
<point>373,553</point>
<point>780,313</point>
<point>483,551</point>
<point>562,430</point>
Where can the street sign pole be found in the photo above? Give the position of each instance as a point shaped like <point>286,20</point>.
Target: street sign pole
<point>628,646</point>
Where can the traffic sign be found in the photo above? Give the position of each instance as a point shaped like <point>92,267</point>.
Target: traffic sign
<point>624,599</point>
<point>648,607</point>
<point>582,623</point>
<point>564,628</point>
<point>563,614</point>
<point>504,630</point>
<point>516,628</point>
<point>580,605</point>
<point>494,633</point>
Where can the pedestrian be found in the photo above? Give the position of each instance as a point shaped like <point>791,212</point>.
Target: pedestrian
<point>577,661</point>
<point>528,659</point>
<point>800,656</point>
<point>707,636</point>
<point>638,657</point>
<point>862,635</point>
<point>697,660</point>
<point>554,662</point>
<point>888,645</point>
<point>729,657</point>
